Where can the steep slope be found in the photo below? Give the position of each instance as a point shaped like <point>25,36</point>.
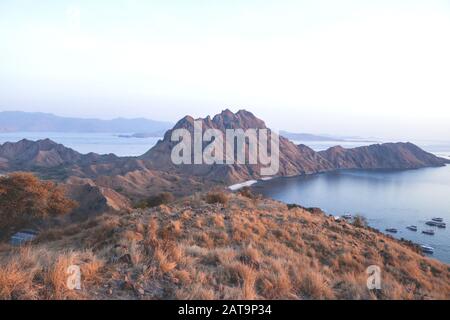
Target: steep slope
<point>93,200</point>
<point>244,249</point>
<point>294,160</point>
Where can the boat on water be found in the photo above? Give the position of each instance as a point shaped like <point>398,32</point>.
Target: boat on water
<point>392,230</point>
<point>436,224</point>
<point>347,216</point>
<point>412,228</point>
<point>429,232</point>
<point>427,249</point>
<point>438,219</point>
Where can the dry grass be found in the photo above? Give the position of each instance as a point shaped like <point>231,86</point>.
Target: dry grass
<point>39,273</point>
<point>249,249</point>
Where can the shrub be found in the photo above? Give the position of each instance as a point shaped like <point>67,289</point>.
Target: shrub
<point>360,221</point>
<point>217,197</point>
<point>247,192</point>
<point>26,199</point>
<point>162,198</point>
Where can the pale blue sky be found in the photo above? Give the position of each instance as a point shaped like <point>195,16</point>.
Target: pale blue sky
<point>370,68</point>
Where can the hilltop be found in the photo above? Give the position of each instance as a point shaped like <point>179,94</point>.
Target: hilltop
<point>219,246</point>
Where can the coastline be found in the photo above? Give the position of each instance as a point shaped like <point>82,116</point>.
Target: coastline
<point>380,217</point>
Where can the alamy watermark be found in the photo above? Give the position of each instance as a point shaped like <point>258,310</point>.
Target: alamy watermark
<point>236,146</point>
<point>73,281</point>
<point>373,277</point>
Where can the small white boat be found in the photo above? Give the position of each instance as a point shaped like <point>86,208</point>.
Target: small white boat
<point>392,230</point>
<point>429,232</point>
<point>412,228</point>
<point>427,249</point>
<point>347,216</point>
<point>441,225</point>
<point>438,219</point>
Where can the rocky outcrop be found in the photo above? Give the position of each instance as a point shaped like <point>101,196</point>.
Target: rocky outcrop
<point>93,200</point>
<point>294,160</point>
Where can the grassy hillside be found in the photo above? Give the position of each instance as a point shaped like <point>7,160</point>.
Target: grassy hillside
<point>219,247</point>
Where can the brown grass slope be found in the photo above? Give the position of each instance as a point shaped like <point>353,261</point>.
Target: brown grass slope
<point>219,247</point>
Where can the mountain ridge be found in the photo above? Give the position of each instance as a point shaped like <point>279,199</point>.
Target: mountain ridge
<point>154,172</point>
<point>400,155</point>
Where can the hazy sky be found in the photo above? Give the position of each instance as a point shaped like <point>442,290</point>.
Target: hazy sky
<point>369,68</point>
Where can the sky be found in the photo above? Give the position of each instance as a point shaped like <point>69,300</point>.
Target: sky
<point>350,68</point>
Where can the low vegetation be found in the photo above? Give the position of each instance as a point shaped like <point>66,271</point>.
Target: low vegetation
<point>25,199</point>
<point>246,249</point>
<point>247,192</point>
<point>360,221</point>
<point>159,199</point>
<point>217,197</point>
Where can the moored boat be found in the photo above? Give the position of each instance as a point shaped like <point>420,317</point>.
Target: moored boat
<point>429,232</point>
<point>412,228</point>
<point>436,224</point>
<point>427,249</point>
<point>438,219</point>
<point>392,230</point>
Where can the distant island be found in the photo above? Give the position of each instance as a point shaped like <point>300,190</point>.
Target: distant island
<point>18,121</point>
<point>143,135</point>
<point>313,137</point>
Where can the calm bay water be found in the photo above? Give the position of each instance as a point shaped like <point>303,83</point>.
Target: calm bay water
<point>388,199</point>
